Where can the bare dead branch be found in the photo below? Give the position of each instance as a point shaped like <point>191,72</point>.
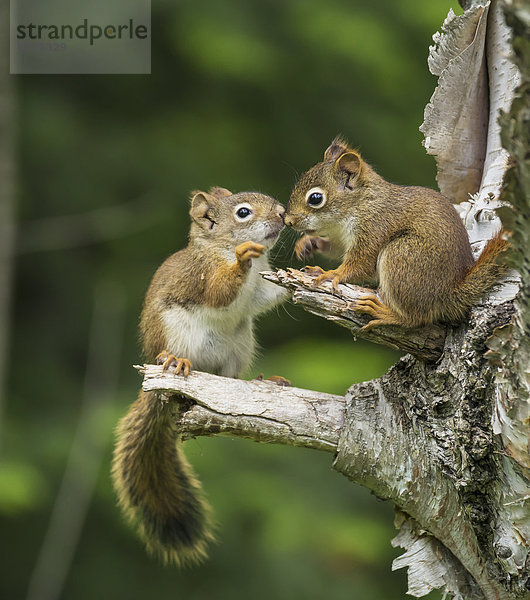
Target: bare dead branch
<point>425,343</point>
<point>257,410</point>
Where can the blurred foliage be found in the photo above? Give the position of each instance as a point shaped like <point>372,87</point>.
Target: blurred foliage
<point>243,94</point>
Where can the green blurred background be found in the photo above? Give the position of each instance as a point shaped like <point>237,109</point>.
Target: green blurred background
<point>246,95</point>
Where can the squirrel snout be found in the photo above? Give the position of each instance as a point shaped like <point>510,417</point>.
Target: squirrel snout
<point>298,222</point>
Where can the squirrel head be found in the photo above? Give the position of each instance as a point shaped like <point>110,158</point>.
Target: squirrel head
<point>328,191</point>
<point>231,219</point>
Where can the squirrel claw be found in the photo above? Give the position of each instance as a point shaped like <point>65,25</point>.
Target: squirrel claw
<point>182,365</point>
<point>326,276</point>
<point>308,244</point>
<point>303,248</point>
<point>279,380</point>
<point>371,305</point>
<point>246,251</point>
<point>313,270</point>
<point>370,324</point>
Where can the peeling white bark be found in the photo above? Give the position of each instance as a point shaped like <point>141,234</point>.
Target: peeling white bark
<point>427,560</point>
<point>476,80</point>
<point>456,117</point>
<point>478,211</point>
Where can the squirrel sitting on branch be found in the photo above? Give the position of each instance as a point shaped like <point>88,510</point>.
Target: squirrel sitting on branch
<point>409,242</point>
<point>199,310</point>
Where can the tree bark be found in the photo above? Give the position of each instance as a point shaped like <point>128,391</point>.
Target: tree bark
<point>258,410</point>
<point>444,434</point>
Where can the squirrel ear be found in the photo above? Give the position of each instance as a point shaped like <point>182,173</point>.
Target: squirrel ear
<point>337,147</point>
<point>202,211</point>
<point>349,162</point>
<point>219,192</point>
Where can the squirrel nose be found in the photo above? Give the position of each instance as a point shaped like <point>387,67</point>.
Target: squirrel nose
<point>288,220</point>
<point>280,211</point>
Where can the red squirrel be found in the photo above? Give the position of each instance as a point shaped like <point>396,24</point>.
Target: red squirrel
<point>199,310</point>
<point>409,242</point>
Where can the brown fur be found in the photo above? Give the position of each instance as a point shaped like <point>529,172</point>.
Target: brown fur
<point>154,483</point>
<point>408,241</point>
<point>195,276</point>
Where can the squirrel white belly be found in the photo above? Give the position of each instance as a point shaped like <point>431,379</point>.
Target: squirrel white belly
<point>221,340</point>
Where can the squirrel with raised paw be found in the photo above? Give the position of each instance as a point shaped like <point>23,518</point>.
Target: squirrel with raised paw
<point>198,310</point>
<point>408,242</point>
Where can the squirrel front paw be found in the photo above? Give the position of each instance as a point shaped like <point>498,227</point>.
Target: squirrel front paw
<point>313,270</point>
<point>246,251</point>
<point>307,244</point>
<point>334,275</point>
<point>167,360</point>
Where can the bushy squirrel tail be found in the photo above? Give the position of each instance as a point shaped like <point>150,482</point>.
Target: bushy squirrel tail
<point>155,485</point>
<point>481,277</point>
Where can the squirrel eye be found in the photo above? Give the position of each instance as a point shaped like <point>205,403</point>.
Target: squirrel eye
<point>243,212</point>
<point>315,198</point>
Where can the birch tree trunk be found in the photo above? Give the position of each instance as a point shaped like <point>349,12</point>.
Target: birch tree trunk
<point>444,434</point>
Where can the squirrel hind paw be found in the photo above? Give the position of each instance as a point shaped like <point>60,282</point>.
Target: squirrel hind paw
<point>277,379</point>
<point>381,313</point>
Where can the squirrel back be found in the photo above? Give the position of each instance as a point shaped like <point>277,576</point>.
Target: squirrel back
<point>198,309</point>
<point>408,241</point>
